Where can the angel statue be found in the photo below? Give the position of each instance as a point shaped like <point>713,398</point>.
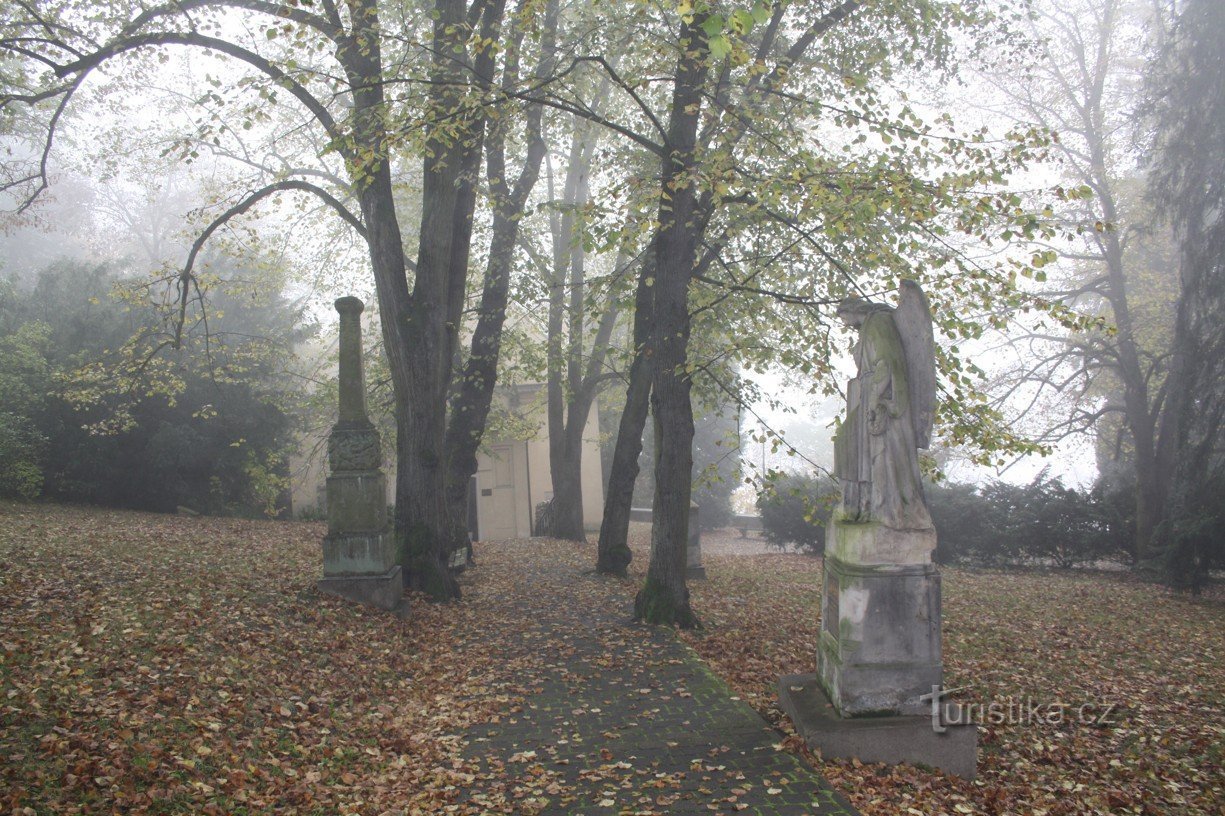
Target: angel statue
<point>890,406</point>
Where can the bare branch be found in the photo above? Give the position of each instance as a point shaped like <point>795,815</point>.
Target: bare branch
<point>187,279</point>
<point>86,64</point>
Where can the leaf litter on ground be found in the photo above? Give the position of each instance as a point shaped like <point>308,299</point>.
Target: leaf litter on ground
<point>160,664</point>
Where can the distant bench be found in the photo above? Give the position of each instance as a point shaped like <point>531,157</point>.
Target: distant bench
<point>744,522</point>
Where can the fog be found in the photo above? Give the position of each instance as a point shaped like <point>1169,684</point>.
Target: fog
<point>1026,170</point>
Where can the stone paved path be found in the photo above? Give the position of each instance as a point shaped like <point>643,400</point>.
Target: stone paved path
<point>628,720</point>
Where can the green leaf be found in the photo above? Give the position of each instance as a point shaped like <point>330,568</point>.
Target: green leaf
<point>719,46</point>
<point>742,21</point>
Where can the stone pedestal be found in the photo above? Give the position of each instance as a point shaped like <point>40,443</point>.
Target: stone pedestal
<point>359,553</point>
<point>693,549</point>
<point>878,651</point>
<point>933,740</point>
<point>879,662</point>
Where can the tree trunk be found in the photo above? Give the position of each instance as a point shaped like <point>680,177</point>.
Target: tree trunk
<point>1137,400</point>
<point>413,325</point>
<point>474,394</point>
<point>664,598</point>
<point>431,321</point>
<point>565,341</point>
<point>614,556</point>
<point>473,397</point>
<point>568,492</point>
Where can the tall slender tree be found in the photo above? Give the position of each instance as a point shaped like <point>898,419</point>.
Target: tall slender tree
<point>1189,181</point>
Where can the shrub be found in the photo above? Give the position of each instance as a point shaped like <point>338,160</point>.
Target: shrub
<point>21,448</point>
<point>965,521</point>
<point>795,509</point>
<point>1044,522</point>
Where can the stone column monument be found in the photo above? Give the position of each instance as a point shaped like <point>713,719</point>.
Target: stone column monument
<point>359,553</point>
<point>694,569</point>
<point>876,693</point>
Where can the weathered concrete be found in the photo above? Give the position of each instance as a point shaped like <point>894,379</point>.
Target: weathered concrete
<point>915,739</point>
<point>879,651</point>
<point>359,553</point>
<point>357,502</point>
<point>383,591</point>
<point>869,542</point>
<point>746,523</point>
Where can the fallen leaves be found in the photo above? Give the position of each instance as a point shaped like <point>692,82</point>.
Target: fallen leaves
<point>162,664</point>
<point>1146,668</point>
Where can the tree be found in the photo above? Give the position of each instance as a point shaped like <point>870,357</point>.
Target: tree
<point>350,116</point>
<point>1085,86</point>
<point>757,210</point>
<point>25,379</point>
<point>212,434</point>
<point>576,371</point>
<point>473,393</point>
<point>1129,380</point>
<point>716,461</point>
<point>795,509</point>
<point>1188,178</point>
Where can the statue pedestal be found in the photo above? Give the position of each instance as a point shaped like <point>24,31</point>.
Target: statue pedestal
<point>879,648</point>
<point>948,743</point>
<point>383,591</point>
<point>359,553</point>
<point>879,656</point>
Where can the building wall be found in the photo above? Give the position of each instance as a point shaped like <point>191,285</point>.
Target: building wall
<point>525,463</point>
<point>534,482</point>
<point>593,474</point>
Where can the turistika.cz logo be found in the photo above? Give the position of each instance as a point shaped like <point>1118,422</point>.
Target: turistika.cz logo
<point>1013,711</point>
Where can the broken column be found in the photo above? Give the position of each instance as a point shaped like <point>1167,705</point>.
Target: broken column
<point>359,553</point>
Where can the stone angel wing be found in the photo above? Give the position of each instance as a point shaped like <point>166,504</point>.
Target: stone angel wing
<point>913,318</point>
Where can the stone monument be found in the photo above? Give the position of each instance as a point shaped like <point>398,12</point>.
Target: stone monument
<point>876,694</point>
<point>359,553</point>
<point>694,569</point>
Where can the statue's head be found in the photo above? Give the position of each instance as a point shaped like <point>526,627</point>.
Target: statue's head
<point>853,310</point>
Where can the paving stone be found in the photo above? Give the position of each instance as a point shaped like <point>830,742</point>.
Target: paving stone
<point>650,731</point>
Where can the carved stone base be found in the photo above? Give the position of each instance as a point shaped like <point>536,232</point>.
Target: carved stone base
<point>354,446</point>
<point>879,649</point>
<point>358,554</point>
<point>382,591</point>
<point>874,543</point>
<point>357,502</point>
